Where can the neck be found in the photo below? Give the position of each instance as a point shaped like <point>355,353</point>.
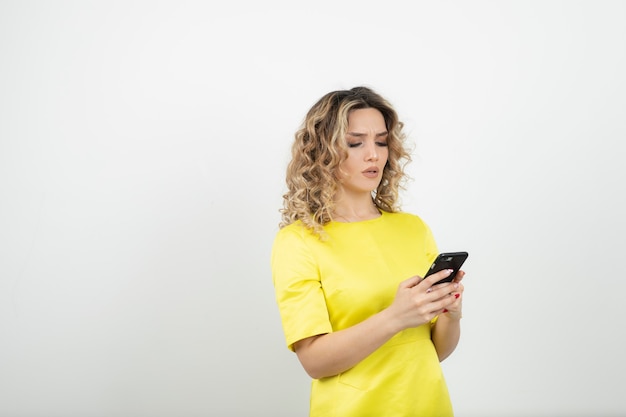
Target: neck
<point>355,213</point>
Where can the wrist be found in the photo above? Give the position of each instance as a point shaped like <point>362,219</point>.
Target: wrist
<point>452,315</point>
<point>391,321</point>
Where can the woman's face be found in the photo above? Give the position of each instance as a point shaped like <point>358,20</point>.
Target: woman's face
<point>367,152</point>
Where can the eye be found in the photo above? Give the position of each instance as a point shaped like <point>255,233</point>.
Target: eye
<point>354,144</point>
<point>381,144</point>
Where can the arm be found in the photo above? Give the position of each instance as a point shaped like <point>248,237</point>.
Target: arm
<point>332,353</point>
<point>416,303</point>
<point>447,330</point>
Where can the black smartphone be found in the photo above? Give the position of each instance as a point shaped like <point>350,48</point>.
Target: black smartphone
<point>449,260</point>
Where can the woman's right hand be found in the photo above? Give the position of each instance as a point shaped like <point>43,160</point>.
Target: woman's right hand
<point>419,300</point>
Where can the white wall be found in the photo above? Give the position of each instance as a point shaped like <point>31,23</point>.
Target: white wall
<point>142,155</point>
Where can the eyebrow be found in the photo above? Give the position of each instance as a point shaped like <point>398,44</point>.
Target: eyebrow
<point>385,133</point>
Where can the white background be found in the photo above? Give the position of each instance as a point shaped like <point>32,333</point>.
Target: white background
<point>143,146</point>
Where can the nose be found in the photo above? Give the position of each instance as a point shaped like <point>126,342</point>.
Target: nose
<point>372,153</point>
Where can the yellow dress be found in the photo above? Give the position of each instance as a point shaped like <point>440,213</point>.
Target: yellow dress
<point>326,286</point>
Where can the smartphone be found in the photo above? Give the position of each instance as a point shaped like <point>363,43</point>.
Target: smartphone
<point>448,260</point>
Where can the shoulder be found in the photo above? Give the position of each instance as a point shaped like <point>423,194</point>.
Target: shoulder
<point>404,218</point>
<point>294,234</point>
<point>407,223</point>
<point>295,230</point>
<point>293,250</point>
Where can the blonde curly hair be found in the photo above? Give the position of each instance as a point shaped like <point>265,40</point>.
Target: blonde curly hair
<point>319,149</point>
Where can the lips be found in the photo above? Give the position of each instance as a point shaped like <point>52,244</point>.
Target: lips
<point>371,172</point>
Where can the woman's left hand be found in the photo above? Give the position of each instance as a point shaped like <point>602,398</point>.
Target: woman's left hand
<point>454,310</point>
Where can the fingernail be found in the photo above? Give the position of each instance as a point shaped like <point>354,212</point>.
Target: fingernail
<point>457,295</point>
<point>445,310</point>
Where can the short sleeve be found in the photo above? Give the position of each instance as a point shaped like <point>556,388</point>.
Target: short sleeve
<point>430,245</point>
<point>297,285</point>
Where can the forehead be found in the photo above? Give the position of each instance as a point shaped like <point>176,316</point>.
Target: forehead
<point>369,118</point>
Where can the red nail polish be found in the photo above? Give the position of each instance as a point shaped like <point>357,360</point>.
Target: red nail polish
<point>445,310</point>
<point>457,295</point>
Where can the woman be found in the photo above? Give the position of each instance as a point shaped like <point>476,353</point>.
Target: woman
<point>346,266</point>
